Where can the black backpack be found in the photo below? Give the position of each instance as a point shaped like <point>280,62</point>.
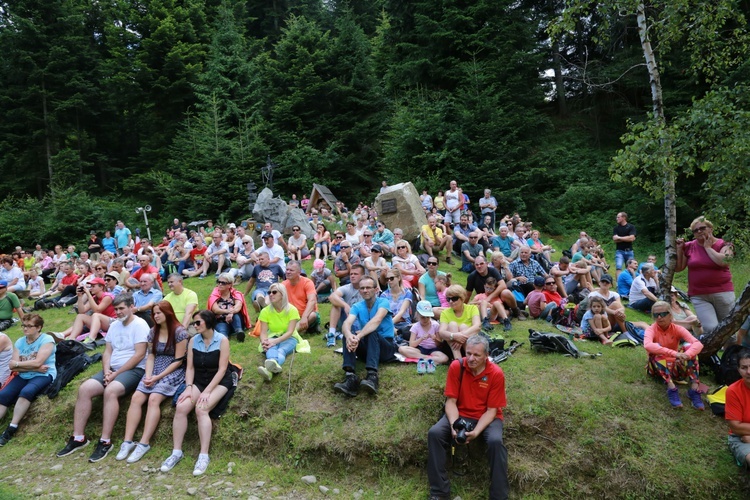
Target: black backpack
<point>726,372</point>
<point>70,360</point>
<point>552,342</point>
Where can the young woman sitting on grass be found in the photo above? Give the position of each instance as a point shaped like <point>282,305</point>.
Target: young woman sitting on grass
<point>165,373</point>
<point>595,324</point>
<point>278,331</point>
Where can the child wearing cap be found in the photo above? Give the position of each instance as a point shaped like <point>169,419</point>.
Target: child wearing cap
<point>321,276</point>
<point>424,340</point>
<point>375,265</point>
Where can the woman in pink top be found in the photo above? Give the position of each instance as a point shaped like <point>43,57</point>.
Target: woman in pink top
<point>709,279</point>
<point>667,359</point>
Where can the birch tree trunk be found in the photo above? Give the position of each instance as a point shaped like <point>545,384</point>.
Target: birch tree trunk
<point>669,176</point>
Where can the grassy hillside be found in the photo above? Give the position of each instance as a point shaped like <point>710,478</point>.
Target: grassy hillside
<point>589,426</point>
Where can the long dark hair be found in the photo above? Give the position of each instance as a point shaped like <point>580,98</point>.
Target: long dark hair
<point>172,324</point>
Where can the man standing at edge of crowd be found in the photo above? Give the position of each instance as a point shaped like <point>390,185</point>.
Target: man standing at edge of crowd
<point>623,236</point>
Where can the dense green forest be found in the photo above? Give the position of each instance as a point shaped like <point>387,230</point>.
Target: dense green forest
<point>110,104</point>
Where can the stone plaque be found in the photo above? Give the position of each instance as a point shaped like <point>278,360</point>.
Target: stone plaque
<point>389,206</point>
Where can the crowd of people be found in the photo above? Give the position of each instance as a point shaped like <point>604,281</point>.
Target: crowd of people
<point>387,298</point>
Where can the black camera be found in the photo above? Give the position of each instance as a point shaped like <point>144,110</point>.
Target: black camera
<point>461,427</point>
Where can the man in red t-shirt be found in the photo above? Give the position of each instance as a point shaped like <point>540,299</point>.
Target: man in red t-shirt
<point>197,255</point>
<point>737,411</point>
<point>475,390</point>
<point>144,260</point>
<point>302,295</point>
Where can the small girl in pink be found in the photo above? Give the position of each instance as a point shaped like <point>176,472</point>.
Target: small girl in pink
<point>442,282</point>
<point>424,337</point>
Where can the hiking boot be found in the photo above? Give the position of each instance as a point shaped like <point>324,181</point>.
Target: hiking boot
<point>421,366</point>
<point>486,325</point>
<point>430,366</point>
<point>330,339</point>
<point>674,398</point>
<point>448,260</point>
<point>695,400</point>
<point>140,450</point>
<point>72,446</point>
<point>101,451</point>
<point>171,461</point>
<point>506,325</point>
<point>265,374</point>
<point>349,387</point>
<point>201,465</point>
<point>125,449</point>
<point>241,336</point>
<point>7,435</point>
<point>273,366</point>
<point>370,383</point>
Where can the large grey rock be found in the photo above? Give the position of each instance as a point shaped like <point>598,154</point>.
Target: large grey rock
<point>408,215</point>
<point>297,217</point>
<point>270,209</point>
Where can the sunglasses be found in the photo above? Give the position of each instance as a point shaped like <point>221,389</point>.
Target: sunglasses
<point>432,263</point>
<point>339,237</point>
<point>661,314</point>
<point>550,283</point>
<point>296,230</point>
<point>109,279</point>
<point>391,278</point>
<point>222,282</point>
<point>196,323</point>
<point>273,292</point>
<point>700,229</point>
<point>454,298</point>
<point>400,247</point>
<point>344,247</point>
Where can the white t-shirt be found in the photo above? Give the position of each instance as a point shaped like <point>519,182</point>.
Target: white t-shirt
<point>639,284</point>
<point>299,242</point>
<point>273,253</point>
<point>451,199</point>
<point>213,247</point>
<point>124,338</point>
<point>613,297</point>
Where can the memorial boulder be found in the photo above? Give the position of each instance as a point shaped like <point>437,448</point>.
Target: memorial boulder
<point>399,206</point>
<point>270,209</point>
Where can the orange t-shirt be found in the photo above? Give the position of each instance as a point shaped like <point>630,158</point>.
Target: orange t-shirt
<point>737,406</point>
<point>298,294</point>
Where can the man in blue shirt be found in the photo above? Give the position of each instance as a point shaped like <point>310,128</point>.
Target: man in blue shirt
<point>373,342</point>
<point>145,298</point>
<point>123,238</point>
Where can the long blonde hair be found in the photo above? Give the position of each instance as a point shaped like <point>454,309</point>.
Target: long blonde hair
<point>278,287</point>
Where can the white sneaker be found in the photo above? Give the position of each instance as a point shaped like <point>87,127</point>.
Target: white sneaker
<point>170,462</point>
<point>273,366</point>
<point>140,450</point>
<point>201,465</point>
<point>125,449</point>
<point>265,374</point>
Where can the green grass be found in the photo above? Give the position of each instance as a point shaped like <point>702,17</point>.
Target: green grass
<point>592,426</point>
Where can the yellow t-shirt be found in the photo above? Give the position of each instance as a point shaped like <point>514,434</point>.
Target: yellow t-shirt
<point>449,316</point>
<point>436,234</point>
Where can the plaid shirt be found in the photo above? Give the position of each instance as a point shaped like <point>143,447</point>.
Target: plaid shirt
<point>530,270</point>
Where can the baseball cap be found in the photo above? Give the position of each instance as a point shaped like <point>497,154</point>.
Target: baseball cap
<point>424,308</point>
<point>376,248</point>
<point>3,283</point>
<point>266,235</point>
<point>319,264</point>
<point>97,281</point>
<point>607,278</point>
<point>539,281</point>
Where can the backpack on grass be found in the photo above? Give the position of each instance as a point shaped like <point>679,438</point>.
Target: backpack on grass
<point>70,360</point>
<point>726,372</point>
<point>552,342</point>
<point>717,399</point>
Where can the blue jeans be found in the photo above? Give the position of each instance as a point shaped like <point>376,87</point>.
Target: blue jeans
<point>280,351</point>
<point>622,256</point>
<point>643,305</point>
<point>28,389</point>
<point>223,327</point>
<point>374,349</point>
